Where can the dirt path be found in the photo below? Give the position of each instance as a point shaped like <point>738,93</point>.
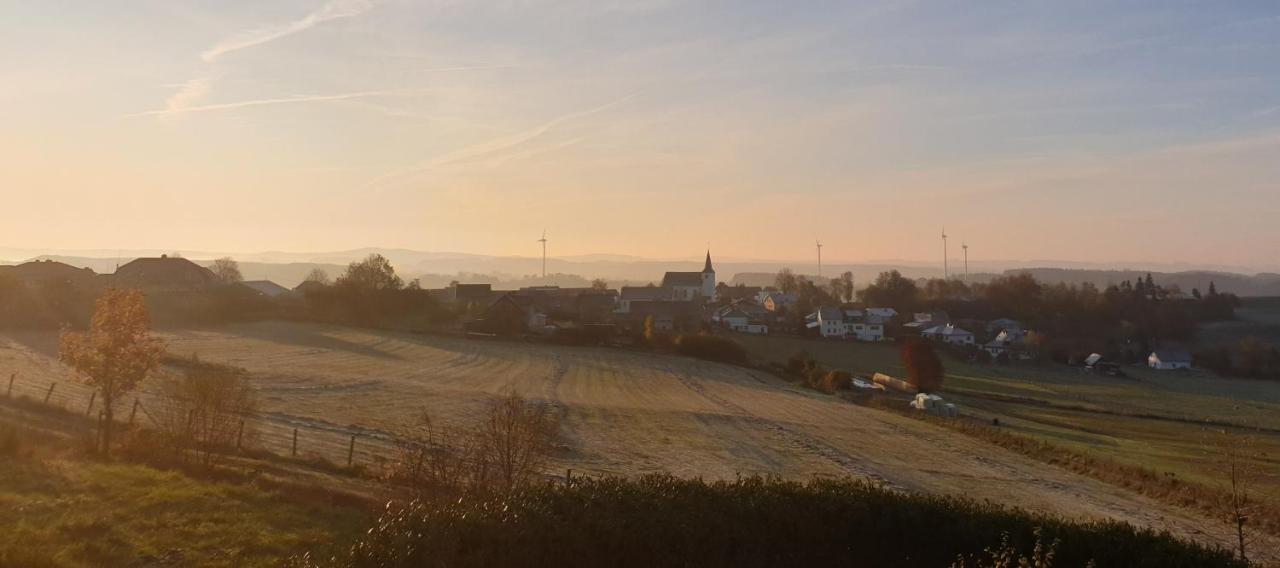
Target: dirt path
<point>629,413</point>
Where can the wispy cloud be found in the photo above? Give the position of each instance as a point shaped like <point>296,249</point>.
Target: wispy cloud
<point>171,110</point>
<point>332,10</point>
<point>491,147</point>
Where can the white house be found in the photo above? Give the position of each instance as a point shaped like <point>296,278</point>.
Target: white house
<point>948,334</point>
<point>864,325</point>
<point>828,321</point>
<point>837,323</point>
<point>1169,359</point>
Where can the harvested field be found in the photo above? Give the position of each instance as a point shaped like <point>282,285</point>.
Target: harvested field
<point>624,413</point>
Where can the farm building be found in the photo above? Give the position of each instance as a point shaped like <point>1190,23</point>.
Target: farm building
<point>1169,359</point>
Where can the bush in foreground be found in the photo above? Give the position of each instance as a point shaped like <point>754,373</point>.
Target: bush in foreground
<point>664,521</point>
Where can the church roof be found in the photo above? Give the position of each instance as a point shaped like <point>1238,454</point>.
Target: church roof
<point>690,279</point>
<point>707,267</point>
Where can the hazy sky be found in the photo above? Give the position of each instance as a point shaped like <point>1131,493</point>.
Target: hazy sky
<point>1103,131</point>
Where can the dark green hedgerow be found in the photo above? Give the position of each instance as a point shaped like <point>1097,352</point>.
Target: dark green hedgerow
<point>665,521</point>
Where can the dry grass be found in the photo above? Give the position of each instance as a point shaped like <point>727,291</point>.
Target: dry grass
<point>1207,500</point>
<point>625,413</point>
<point>60,510</point>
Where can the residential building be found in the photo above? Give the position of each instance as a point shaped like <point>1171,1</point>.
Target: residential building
<point>885,314</point>
<point>1005,324</point>
<point>1012,344</point>
<point>777,301</point>
<point>164,274</point>
<point>640,293</point>
<point>1169,359</point>
<point>949,334</point>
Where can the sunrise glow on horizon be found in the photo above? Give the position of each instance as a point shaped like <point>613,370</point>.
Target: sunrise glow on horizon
<point>1072,131</point>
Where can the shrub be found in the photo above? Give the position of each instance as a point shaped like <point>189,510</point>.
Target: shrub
<point>711,348</point>
<point>835,380</point>
<point>508,448</point>
<point>801,363</point>
<point>201,412</point>
<point>665,521</point>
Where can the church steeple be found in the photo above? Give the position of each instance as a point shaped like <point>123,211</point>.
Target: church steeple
<point>707,268</point>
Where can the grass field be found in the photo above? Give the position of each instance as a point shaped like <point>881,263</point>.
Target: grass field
<point>1149,419</point>
<point>63,511</point>
<point>630,413</point>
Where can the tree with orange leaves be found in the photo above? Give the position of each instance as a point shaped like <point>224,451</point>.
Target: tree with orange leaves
<point>924,367</point>
<point>117,353</point>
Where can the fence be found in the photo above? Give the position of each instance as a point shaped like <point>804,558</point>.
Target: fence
<point>279,434</point>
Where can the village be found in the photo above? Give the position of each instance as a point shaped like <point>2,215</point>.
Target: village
<point>680,303</point>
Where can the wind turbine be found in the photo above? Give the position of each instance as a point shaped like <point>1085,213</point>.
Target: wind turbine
<point>543,240</point>
<point>819,245</point>
<point>945,275</point>
<point>965,246</point>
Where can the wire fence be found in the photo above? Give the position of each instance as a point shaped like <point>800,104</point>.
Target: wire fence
<point>279,434</point>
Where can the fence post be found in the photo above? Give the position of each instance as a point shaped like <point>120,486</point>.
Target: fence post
<point>240,435</point>
<point>50,393</point>
<point>100,441</point>
<point>134,411</point>
<point>351,450</point>
<point>9,394</point>
<point>92,397</point>
<point>294,452</point>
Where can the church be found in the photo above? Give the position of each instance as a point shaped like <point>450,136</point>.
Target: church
<point>692,286</point>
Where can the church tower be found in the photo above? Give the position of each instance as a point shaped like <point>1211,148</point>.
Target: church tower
<point>709,279</point>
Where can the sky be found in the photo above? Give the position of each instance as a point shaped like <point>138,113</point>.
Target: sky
<point>1079,131</point>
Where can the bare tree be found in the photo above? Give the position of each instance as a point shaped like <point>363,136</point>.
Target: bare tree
<point>1236,456</point>
<point>516,439</point>
<point>227,270</point>
<point>507,449</point>
<point>319,276</point>
<point>430,457</point>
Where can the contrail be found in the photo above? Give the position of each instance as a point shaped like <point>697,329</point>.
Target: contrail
<point>492,146</point>
<point>277,101</point>
<point>332,10</point>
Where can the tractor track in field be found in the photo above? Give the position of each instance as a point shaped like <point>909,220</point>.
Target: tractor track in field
<point>793,438</point>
